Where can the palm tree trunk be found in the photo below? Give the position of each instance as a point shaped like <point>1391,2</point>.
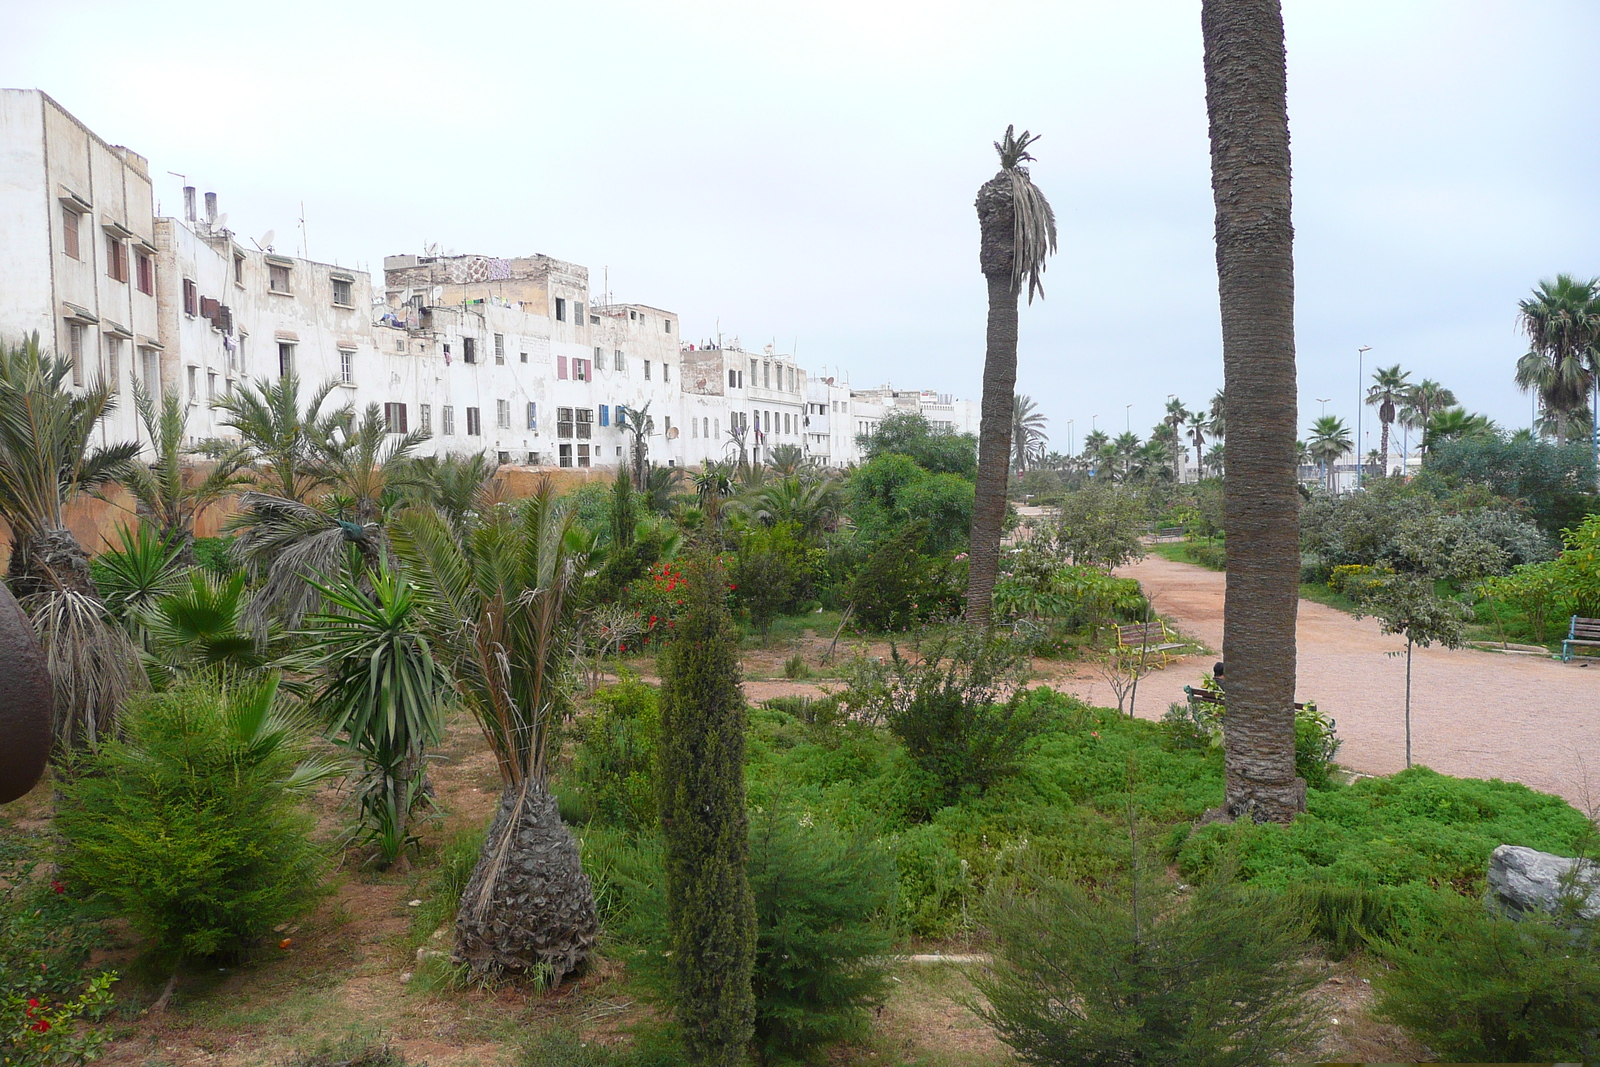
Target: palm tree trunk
<point>1249,126</point>
<point>1408,700</point>
<point>47,559</point>
<point>529,902</point>
<point>1383,447</point>
<point>996,251</point>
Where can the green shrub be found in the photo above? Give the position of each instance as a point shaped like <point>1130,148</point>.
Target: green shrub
<point>441,895</point>
<point>1208,553</point>
<point>813,711</point>
<point>948,711</point>
<point>613,769</point>
<point>897,586</point>
<point>40,1033</point>
<point>1315,745</point>
<point>352,1050</point>
<point>1135,973</point>
<point>795,667</point>
<point>193,828</point>
<point>822,899</point>
<point>1482,988</point>
<point>772,573</point>
<point>212,555</point>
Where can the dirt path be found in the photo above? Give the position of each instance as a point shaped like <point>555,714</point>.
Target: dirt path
<point>1475,714</point>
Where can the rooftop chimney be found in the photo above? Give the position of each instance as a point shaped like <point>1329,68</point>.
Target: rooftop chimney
<point>211,208</point>
<point>188,203</point>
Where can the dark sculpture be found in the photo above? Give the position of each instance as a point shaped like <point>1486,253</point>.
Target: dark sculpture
<point>25,701</point>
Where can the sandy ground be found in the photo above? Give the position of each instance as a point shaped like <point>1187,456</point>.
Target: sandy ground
<point>1475,714</point>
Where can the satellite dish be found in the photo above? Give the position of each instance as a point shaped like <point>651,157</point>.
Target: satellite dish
<point>265,244</point>
<point>672,434</point>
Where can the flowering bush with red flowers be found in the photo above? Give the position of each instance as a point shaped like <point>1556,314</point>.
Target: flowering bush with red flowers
<point>36,1032</point>
<point>45,938</point>
<point>656,601</point>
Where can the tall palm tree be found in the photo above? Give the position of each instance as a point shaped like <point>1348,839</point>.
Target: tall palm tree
<point>1218,409</point>
<point>1389,388</point>
<point>1017,230</point>
<point>1421,401</point>
<point>1330,439</point>
<point>166,493</point>
<point>1094,441</point>
<point>1127,446</point>
<point>281,440</point>
<point>1198,425</point>
<point>1562,321</point>
<point>496,608</point>
<point>1027,433</point>
<point>46,462</point>
<point>1175,417</point>
<point>1249,126</point>
<point>641,425</point>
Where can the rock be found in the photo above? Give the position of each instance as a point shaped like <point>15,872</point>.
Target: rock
<point>1525,880</point>
<point>26,702</point>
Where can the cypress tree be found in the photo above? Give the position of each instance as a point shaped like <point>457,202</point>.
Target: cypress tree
<point>710,911</point>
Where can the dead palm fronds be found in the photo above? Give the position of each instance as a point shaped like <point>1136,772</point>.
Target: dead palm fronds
<point>1034,220</point>
<point>289,546</point>
<point>92,663</point>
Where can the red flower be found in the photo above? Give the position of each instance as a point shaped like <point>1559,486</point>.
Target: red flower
<point>671,586</point>
<point>652,620</point>
<point>622,648</point>
<point>42,1025</point>
<point>732,587</point>
<point>58,887</point>
<point>33,1002</point>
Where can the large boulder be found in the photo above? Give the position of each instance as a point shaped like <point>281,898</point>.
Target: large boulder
<point>26,699</point>
<point>1524,881</point>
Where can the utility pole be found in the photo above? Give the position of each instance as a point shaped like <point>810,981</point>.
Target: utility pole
<point>1361,402</point>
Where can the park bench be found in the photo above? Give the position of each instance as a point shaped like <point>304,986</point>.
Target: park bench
<point>1214,696</point>
<point>1584,632</point>
<point>1169,533</point>
<point>1148,637</point>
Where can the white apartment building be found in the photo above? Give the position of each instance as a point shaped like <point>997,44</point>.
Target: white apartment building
<point>506,356</point>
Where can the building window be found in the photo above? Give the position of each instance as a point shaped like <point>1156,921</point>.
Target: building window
<point>716,428</point>
<point>75,350</point>
<point>469,350</point>
<point>277,278</point>
<point>447,420</point>
<point>152,371</point>
<point>347,366</point>
<point>285,359</point>
<point>500,349</point>
<point>564,422</point>
<point>191,298</point>
<point>565,452</point>
<point>632,314</point>
<point>524,357</point>
<point>753,378</point>
<point>394,418</point>
<point>733,379</point>
<point>238,269</point>
<point>425,418</point>
<point>533,416</point>
<point>194,382</point>
<point>622,416</point>
<point>705,428</point>
<point>694,427</point>
<point>580,370</point>
<point>505,457</point>
<point>69,233</point>
<point>583,455</point>
<point>114,363</point>
<point>605,415</point>
<point>147,274</point>
<point>667,325</point>
<point>647,370</point>
<point>341,292</point>
<point>502,414</point>
<point>561,309</point>
<point>666,424</point>
<point>474,424</point>
<point>236,358</point>
<point>619,361</point>
<point>791,380</point>
<point>766,375</point>
<point>786,428</point>
<point>211,387</point>
<point>116,260</point>
<point>577,312</point>
<point>585,423</point>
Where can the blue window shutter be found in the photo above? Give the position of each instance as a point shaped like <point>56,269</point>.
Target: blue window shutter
<point>605,415</point>
<point>622,415</point>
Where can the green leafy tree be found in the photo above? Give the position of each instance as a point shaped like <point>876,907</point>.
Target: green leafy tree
<point>380,691</point>
<point>908,433</point>
<point>497,613</point>
<point>772,569</point>
<point>1134,973</point>
<point>194,828</point>
<point>822,950</point>
<point>1017,230</point>
<point>711,914</point>
<point>1101,525</point>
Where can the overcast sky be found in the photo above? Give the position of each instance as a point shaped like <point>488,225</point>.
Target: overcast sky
<point>807,170</point>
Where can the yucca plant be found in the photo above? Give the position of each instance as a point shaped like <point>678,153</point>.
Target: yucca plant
<point>380,691</point>
<point>497,612</point>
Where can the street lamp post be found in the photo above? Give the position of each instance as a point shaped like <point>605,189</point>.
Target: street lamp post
<point>1127,418</point>
<point>1071,449</point>
<point>1361,401</point>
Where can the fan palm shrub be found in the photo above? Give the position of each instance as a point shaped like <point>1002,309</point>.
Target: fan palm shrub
<point>202,626</point>
<point>380,690</point>
<point>496,609</point>
<point>1017,230</point>
<point>134,576</point>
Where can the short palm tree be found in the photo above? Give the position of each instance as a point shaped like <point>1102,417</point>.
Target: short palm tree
<point>47,461</point>
<point>1562,321</point>
<point>496,609</point>
<point>201,626</point>
<point>1330,439</point>
<point>461,485</point>
<point>1454,424</point>
<point>1389,388</point>
<point>167,494</point>
<point>1017,231</point>
<point>786,460</point>
<point>135,574</point>
<point>281,440</point>
<point>813,506</point>
<point>1027,433</point>
<point>363,463</point>
<point>380,691</point>
<point>714,485</point>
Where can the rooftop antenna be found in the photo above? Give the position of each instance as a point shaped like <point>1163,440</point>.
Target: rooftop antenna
<point>305,246</point>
